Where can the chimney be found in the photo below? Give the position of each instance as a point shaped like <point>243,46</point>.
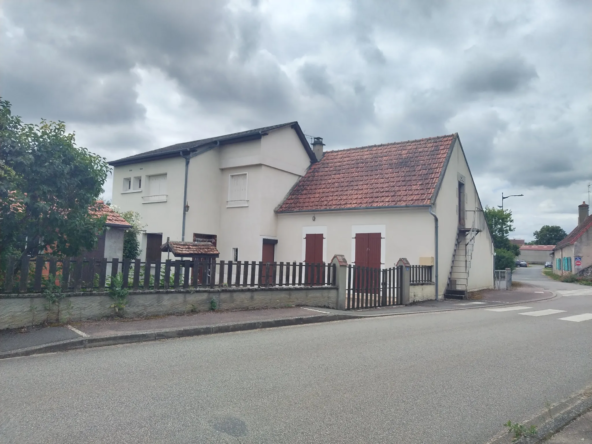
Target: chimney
<point>317,147</point>
<point>582,212</point>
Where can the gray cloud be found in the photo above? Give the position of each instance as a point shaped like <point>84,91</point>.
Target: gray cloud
<point>485,74</point>
<point>132,75</point>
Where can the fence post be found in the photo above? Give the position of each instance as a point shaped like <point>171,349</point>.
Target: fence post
<point>405,280</point>
<point>508,279</point>
<point>340,264</point>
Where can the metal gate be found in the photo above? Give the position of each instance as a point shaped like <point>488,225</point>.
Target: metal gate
<point>373,287</point>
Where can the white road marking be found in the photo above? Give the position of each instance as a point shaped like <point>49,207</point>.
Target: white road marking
<point>508,308</point>
<point>542,312</point>
<point>471,303</point>
<point>78,332</point>
<point>578,318</point>
<point>318,311</point>
<point>539,291</point>
<point>569,293</point>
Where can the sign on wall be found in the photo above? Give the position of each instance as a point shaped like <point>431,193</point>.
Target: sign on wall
<point>578,261</point>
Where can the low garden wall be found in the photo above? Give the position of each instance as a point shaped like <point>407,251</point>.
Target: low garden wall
<point>24,310</point>
<point>422,292</point>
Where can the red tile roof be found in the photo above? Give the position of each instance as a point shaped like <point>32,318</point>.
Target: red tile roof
<point>518,242</point>
<point>576,233</point>
<point>189,248</point>
<point>377,176</point>
<point>113,219</point>
<point>537,247</point>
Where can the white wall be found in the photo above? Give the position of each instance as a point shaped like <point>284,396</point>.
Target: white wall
<point>446,208</point>
<point>408,233</point>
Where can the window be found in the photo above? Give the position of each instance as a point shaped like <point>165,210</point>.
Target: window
<point>558,263</point>
<point>235,254</point>
<point>567,263</point>
<point>237,190</point>
<point>132,184</point>
<point>157,189</point>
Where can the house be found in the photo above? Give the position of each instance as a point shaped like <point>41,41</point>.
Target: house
<point>518,242</point>
<point>267,195</point>
<point>536,254</point>
<point>574,253</point>
<point>110,242</point>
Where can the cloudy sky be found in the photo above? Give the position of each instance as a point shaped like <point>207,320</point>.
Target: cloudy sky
<point>513,78</point>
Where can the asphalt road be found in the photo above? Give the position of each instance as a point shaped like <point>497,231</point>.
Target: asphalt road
<point>452,377</point>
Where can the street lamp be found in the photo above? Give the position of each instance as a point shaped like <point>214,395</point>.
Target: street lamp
<point>506,197</point>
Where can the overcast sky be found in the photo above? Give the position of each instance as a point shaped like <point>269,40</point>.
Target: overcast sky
<point>513,78</point>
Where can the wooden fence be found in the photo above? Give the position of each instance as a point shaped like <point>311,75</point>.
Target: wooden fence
<point>76,274</point>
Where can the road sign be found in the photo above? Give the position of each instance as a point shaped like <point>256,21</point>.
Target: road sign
<point>578,261</point>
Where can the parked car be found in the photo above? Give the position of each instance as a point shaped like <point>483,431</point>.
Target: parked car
<point>517,263</point>
<point>523,264</point>
<point>548,265</point>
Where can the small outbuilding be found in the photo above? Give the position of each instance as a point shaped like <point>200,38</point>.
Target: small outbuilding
<point>574,253</point>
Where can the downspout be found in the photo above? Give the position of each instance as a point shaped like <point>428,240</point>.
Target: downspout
<point>187,159</point>
<point>436,242</point>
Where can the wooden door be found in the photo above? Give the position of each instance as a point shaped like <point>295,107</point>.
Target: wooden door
<point>266,274</point>
<point>368,256</point>
<point>153,244</point>
<point>313,257</point>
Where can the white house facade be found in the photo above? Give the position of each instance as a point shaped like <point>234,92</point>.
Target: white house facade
<point>266,195</point>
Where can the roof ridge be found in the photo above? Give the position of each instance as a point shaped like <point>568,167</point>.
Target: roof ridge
<point>391,143</point>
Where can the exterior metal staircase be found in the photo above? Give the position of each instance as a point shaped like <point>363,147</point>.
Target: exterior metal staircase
<point>458,277</point>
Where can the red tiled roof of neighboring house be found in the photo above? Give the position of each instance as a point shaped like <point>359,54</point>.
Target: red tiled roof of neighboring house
<point>113,219</point>
<point>576,233</point>
<point>189,248</point>
<point>538,247</point>
<point>377,176</point>
<point>518,242</point>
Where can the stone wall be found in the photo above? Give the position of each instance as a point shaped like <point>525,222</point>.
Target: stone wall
<point>422,292</point>
<point>25,310</point>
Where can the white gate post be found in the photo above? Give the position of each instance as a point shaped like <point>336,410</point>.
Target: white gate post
<point>340,279</point>
<point>405,280</point>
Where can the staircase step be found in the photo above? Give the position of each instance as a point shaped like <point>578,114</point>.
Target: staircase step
<point>455,294</point>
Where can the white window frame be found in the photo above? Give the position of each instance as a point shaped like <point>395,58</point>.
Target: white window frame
<point>137,183</point>
<point>314,229</point>
<point>130,183</point>
<point>238,203</point>
<point>155,198</point>
<point>235,256</point>
<point>370,229</point>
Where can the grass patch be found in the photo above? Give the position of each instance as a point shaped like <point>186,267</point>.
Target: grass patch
<point>517,284</point>
<point>570,278</point>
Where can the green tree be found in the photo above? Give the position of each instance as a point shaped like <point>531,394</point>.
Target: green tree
<point>131,245</point>
<point>500,226</point>
<point>504,259</point>
<point>549,235</point>
<point>48,189</point>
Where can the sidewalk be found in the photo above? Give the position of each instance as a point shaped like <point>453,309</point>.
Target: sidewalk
<point>579,431</point>
<point>34,340</point>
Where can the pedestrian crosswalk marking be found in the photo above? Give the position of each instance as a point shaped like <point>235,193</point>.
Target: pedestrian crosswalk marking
<point>578,318</point>
<point>471,303</point>
<point>508,308</point>
<point>542,312</point>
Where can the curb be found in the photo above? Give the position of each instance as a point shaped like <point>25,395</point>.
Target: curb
<point>82,343</point>
<point>553,419</point>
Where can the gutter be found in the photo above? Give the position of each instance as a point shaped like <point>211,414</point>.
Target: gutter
<point>431,210</point>
<point>389,207</point>
<point>187,160</point>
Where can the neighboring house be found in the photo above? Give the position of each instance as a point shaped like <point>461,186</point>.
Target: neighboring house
<point>518,242</point>
<point>266,195</point>
<point>536,254</point>
<point>110,242</point>
<point>574,253</point>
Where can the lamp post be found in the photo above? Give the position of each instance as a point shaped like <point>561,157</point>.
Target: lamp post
<point>507,197</point>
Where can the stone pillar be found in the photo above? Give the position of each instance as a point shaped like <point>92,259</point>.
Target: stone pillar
<point>340,279</point>
<point>508,278</point>
<point>406,280</point>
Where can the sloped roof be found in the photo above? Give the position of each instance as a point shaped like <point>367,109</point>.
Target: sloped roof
<point>518,242</point>
<point>377,176</point>
<point>113,219</point>
<point>189,248</point>
<point>537,247</point>
<point>195,145</point>
<point>576,233</point>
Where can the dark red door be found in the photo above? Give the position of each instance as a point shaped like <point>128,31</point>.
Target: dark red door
<point>313,257</point>
<point>266,274</point>
<point>368,256</point>
<point>153,244</point>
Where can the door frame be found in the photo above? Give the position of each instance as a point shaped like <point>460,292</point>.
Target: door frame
<point>361,229</point>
